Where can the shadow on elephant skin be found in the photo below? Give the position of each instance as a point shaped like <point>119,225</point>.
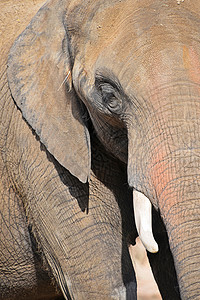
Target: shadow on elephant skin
<point>125,203</point>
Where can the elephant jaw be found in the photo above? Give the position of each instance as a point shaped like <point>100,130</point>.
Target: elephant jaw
<point>143,220</point>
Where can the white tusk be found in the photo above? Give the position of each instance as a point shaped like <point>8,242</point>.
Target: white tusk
<point>143,220</point>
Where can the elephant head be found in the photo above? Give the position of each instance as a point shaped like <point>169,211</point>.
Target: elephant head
<point>133,67</point>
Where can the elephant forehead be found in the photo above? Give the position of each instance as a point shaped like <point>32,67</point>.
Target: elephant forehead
<point>117,29</point>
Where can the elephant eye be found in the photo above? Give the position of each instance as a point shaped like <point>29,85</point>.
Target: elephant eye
<point>111,103</point>
<point>110,99</point>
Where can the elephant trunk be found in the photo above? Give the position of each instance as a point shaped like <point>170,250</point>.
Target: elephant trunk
<point>169,176</point>
<point>180,209</point>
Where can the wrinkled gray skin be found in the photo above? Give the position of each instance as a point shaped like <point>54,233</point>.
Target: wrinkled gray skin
<point>100,97</point>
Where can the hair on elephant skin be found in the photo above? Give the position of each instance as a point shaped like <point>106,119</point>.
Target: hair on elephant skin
<point>99,122</point>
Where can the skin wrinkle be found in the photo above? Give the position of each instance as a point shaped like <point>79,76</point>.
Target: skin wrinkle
<point>14,242</point>
<point>9,217</point>
<point>170,151</point>
<point>20,242</point>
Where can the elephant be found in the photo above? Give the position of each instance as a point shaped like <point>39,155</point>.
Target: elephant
<point>99,121</point>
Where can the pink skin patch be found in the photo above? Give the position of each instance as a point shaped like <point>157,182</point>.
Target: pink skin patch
<point>161,175</point>
<point>191,63</point>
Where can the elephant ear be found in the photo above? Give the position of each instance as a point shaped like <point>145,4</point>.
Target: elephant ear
<point>39,70</point>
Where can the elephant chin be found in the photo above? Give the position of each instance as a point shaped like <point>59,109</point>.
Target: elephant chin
<point>143,220</point>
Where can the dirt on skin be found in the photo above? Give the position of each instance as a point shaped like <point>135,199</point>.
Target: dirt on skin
<point>14,17</point>
<point>147,287</point>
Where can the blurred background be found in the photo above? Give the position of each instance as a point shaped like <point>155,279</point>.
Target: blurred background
<point>147,288</point>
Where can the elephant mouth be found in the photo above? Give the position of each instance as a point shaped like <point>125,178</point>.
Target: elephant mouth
<point>143,220</point>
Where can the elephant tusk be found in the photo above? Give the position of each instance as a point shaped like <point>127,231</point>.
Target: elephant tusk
<point>143,219</point>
